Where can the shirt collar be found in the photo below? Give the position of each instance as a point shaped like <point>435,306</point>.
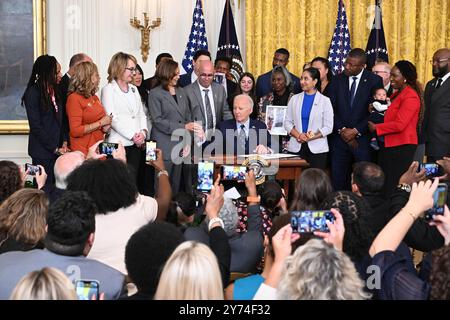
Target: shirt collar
<point>445,77</point>
<point>246,124</point>
<point>203,88</point>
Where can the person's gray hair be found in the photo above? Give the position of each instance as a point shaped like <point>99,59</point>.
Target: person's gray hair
<point>229,215</point>
<point>284,71</point>
<point>64,166</point>
<point>244,96</point>
<point>317,271</point>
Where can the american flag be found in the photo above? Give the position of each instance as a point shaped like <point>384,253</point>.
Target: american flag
<point>376,45</point>
<point>340,43</point>
<point>228,45</point>
<point>197,37</point>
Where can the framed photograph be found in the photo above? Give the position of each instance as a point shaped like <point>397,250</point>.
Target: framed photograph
<point>22,40</point>
<point>275,116</point>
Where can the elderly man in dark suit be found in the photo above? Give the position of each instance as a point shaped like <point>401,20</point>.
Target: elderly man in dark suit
<point>437,108</point>
<point>243,135</point>
<point>350,94</point>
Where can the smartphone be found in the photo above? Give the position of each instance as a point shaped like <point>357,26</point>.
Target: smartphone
<point>439,201</point>
<point>237,173</point>
<point>205,176</point>
<point>306,222</point>
<point>108,148</point>
<point>86,289</point>
<point>32,169</point>
<point>432,169</point>
<point>218,77</point>
<point>150,151</point>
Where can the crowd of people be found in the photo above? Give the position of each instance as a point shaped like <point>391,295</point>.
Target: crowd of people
<point>165,229</point>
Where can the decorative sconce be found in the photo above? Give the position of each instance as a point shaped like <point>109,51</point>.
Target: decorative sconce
<point>146,27</point>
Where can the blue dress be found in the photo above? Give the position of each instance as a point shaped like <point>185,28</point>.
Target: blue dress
<point>245,288</point>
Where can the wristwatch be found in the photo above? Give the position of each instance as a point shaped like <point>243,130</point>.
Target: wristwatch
<point>405,187</point>
<point>214,220</point>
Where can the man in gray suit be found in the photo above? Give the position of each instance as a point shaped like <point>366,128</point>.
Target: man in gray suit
<point>70,235</point>
<point>207,100</point>
<point>437,108</point>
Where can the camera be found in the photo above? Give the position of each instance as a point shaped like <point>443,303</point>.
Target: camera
<point>237,173</point>
<point>205,176</point>
<point>308,221</point>
<point>86,289</point>
<point>108,148</point>
<point>32,169</point>
<point>150,151</point>
<point>439,200</point>
<point>432,169</point>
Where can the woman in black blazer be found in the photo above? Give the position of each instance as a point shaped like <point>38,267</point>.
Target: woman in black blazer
<point>47,138</point>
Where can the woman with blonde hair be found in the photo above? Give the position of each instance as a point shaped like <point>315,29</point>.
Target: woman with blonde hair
<point>88,121</point>
<point>191,273</point>
<point>121,99</point>
<point>44,284</point>
<point>23,220</point>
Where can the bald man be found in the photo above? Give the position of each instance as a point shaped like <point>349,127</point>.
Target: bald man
<point>436,127</point>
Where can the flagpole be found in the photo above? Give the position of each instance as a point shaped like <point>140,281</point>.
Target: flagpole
<point>377,33</point>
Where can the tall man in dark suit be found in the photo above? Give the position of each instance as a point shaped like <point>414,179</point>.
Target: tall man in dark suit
<point>437,108</point>
<point>243,135</point>
<point>264,82</point>
<point>223,65</point>
<point>350,94</point>
<point>190,77</point>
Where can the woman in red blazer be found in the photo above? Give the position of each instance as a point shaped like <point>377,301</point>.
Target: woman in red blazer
<point>400,124</point>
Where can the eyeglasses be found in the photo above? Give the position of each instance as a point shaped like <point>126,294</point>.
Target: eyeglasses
<point>132,70</point>
<point>378,72</point>
<point>205,75</point>
<point>438,61</point>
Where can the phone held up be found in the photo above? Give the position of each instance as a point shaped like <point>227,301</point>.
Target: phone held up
<point>439,201</point>
<point>150,151</point>
<point>32,169</point>
<point>432,169</point>
<point>236,173</point>
<point>87,289</point>
<point>205,176</point>
<point>308,221</point>
<point>108,148</point>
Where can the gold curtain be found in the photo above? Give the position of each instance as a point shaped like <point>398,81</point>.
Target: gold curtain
<point>414,29</point>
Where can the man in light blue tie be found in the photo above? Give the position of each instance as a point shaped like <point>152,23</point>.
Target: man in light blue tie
<point>243,135</point>
<point>350,93</point>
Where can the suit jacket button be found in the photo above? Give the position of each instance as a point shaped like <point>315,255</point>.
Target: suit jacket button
<point>179,121</point>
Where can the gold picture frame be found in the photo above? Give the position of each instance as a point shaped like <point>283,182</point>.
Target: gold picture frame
<point>39,48</point>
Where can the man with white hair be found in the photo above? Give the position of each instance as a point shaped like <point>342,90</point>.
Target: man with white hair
<point>243,135</point>
<point>383,69</point>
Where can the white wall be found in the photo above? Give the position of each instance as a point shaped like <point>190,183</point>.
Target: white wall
<point>101,28</point>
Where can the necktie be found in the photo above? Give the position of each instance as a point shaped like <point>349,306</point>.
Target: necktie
<point>242,138</point>
<point>209,115</point>
<point>439,82</point>
<point>352,91</point>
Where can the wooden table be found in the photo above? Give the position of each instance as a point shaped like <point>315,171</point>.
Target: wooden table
<point>289,169</point>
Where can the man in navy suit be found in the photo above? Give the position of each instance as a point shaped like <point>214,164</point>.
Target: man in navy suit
<point>190,77</point>
<point>243,135</point>
<point>264,81</point>
<point>350,94</point>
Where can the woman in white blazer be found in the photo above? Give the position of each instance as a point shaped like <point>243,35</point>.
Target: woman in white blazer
<point>121,99</point>
<point>309,119</point>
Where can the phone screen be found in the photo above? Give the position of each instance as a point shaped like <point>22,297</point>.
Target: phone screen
<point>108,148</point>
<point>150,151</point>
<point>432,169</point>
<point>439,200</point>
<point>86,289</point>
<point>233,172</point>
<point>310,221</point>
<point>32,169</point>
<point>205,176</point>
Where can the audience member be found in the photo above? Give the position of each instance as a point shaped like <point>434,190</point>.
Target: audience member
<point>383,69</point>
<point>12,178</point>
<point>326,74</point>
<point>247,85</point>
<point>311,189</point>
<point>151,82</point>
<point>309,119</point>
<point>222,65</point>
<point>182,210</point>
<point>192,75</point>
<point>23,220</point>
<point>70,236</point>
<point>146,252</point>
<point>44,284</point>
